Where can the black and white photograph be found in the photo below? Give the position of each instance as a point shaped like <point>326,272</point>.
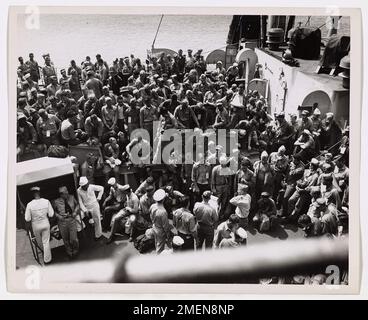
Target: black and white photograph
<point>183,148</point>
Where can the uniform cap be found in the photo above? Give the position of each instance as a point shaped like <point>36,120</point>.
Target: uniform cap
<point>314,161</point>
<point>178,241</point>
<point>320,201</point>
<point>317,112</point>
<point>305,113</point>
<point>223,160</point>
<point>111,181</point>
<point>83,181</point>
<point>241,233</point>
<point>125,187</point>
<point>159,195</point>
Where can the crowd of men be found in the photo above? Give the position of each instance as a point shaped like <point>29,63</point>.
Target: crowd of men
<point>301,176</point>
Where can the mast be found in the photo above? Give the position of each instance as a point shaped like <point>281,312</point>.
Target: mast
<point>158,28</point>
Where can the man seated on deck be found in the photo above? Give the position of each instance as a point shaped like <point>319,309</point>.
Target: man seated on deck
<point>131,207</point>
<point>237,239</point>
<point>265,217</point>
<point>113,202</point>
<point>226,229</point>
<point>70,135</point>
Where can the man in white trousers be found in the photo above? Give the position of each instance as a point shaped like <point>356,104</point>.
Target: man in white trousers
<point>38,212</point>
<point>88,202</point>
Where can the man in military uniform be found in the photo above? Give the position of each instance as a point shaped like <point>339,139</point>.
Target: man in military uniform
<point>284,131</point>
<point>221,186</point>
<point>148,114</point>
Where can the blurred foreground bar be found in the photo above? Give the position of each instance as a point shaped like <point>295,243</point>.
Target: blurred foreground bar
<point>235,265</point>
<point>281,258</point>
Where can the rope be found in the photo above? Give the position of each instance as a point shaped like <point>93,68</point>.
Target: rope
<point>308,21</point>
<point>320,154</point>
<point>326,23</point>
<point>158,28</point>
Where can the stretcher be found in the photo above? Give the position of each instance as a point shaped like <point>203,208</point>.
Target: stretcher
<point>36,249</point>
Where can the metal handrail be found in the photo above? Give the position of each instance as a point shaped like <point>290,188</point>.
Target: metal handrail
<point>231,265</point>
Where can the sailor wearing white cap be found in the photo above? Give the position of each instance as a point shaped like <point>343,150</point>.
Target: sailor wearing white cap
<point>226,229</point>
<point>242,202</point>
<point>37,213</point>
<point>264,175</point>
<point>238,238</point>
<point>160,221</point>
<point>280,163</point>
<point>316,122</point>
<point>88,202</point>
<point>113,202</point>
<point>332,134</point>
<point>131,208</point>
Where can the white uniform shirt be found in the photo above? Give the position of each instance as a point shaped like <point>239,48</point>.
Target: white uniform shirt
<point>38,210</point>
<point>242,203</point>
<point>87,199</point>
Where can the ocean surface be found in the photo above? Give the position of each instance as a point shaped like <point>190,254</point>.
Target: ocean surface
<point>68,37</point>
<point>74,36</point>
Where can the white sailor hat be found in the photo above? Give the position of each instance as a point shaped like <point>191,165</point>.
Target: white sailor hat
<point>111,181</point>
<point>314,161</point>
<point>317,112</point>
<point>282,148</point>
<point>35,188</point>
<point>149,233</point>
<point>83,181</point>
<point>159,195</point>
<point>125,187</point>
<point>241,233</point>
<point>223,160</point>
<point>178,241</point>
<point>264,154</point>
